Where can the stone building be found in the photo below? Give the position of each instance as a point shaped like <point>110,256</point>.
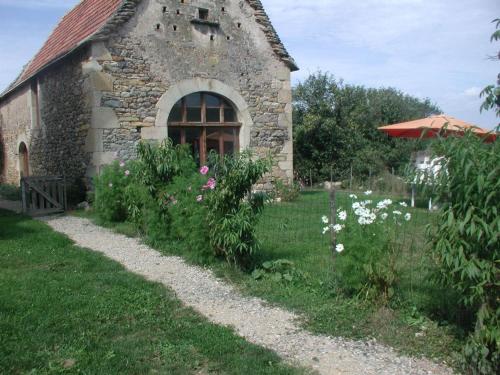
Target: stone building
<point>210,73</point>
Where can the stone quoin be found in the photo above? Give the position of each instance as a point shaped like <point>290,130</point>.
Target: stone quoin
<point>210,73</point>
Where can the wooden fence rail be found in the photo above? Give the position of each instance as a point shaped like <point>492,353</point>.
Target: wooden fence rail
<point>43,195</point>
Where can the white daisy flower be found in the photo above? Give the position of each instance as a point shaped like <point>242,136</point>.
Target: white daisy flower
<point>343,215</point>
<point>337,228</point>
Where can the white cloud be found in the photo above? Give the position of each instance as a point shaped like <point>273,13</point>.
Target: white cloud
<point>472,91</point>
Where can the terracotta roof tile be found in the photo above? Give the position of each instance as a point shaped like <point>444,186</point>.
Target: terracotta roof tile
<point>80,23</point>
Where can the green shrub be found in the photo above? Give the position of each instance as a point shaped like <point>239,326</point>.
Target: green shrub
<point>465,241</point>
<point>232,210</point>
<point>161,163</point>
<point>189,215</point>
<point>110,186</point>
<point>280,270</point>
<point>168,200</point>
<point>286,192</point>
<point>369,267</point>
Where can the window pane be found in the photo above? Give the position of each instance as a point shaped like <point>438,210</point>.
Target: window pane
<point>213,114</point>
<point>193,100</point>
<point>175,135</point>
<point>229,115</point>
<point>176,112</point>
<point>213,140</point>
<point>212,101</point>
<point>194,114</point>
<point>229,141</point>
<point>193,104</point>
<point>193,136</point>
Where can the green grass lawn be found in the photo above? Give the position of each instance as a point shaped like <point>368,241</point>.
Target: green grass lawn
<point>417,321</point>
<point>64,309</point>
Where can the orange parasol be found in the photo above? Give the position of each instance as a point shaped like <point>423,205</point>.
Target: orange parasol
<point>433,126</point>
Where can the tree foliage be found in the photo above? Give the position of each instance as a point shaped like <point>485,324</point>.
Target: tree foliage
<point>465,241</point>
<point>335,125</point>
<point>491,93</point>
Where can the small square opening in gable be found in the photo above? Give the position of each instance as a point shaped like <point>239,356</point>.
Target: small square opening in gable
<point>203,14</point>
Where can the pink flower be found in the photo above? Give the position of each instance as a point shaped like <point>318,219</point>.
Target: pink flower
<point>122,164</point>
<point>199,198</point>
<point>211,184</point>
<point>127,172</point>
<point>204,170</point>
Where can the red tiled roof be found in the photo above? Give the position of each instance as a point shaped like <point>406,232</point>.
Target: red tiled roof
<point>80,23</point>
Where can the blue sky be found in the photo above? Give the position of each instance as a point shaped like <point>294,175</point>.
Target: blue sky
<point>427,48</point>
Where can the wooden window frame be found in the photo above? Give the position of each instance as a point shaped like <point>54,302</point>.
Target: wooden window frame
<point>183,125</point>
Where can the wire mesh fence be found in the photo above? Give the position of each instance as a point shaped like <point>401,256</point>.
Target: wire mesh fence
<point>294,229</point>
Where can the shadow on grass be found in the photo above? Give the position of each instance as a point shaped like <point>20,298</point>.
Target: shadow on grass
<point>12,225</point>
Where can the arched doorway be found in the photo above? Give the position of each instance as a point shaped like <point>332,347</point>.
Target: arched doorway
<point>24,166</point>
<point>206,121</point>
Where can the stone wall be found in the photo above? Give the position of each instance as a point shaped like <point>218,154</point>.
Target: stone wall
<point>55,137</point>
<point>15,127</point>
<point>164,45</point>
<point>59,148</point>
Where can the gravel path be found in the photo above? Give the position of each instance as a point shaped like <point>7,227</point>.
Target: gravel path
<point>270,327</point>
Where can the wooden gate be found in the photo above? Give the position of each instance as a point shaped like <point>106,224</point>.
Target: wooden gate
<point>43,195</point>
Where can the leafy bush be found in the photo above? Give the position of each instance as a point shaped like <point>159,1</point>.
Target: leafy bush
<point>370,268</point>
<point>161,163</point>
<point>110,185</point>
<point>189,215</point>
<point>286,192</point>
<point>211,212</point>
<point>232,210</point>
<point>466,240</point>
<point>278,270</point>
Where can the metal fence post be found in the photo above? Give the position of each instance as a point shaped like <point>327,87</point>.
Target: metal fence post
<point>333,221</point>
<point>350,180</point>
<point>392,181</point>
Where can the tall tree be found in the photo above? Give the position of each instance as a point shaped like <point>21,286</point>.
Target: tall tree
<point>335,126</point>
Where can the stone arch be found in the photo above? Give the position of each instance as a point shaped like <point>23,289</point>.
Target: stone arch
<point>190,86</point>
<point>24,165</point>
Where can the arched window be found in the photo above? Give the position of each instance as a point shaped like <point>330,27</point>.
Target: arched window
<point>206,121</point>
<point>23,160</point>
